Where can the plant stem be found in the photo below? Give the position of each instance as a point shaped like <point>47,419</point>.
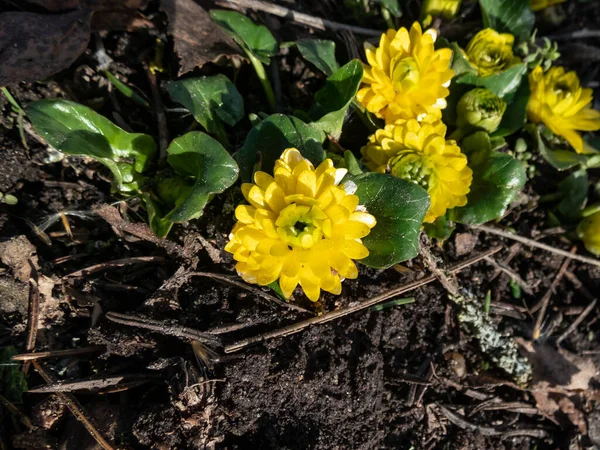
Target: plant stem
<point>593,209</point>
<point>387,17</point>
<point>12,100</point>
<point>264,79</point>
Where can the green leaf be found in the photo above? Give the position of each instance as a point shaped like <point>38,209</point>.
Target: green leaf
<point>159,225</point>
<point>559,159</point>
<point>76,129</point>
<point>212,100</point>
<point>333,100</point>
<point>497,179</point>
<point>399,207</point>
<point>441,229</point>
<point>266,142</point>
<point>351,164</point>
<point>199,157</point>
<point>320,52</point>
<point>256,38</point>
<point>502,84</point>
<point>460,63</point>
<point>516,111</point>
<point>508,16</point>
<point>12,381</point>
<point>574,192</point>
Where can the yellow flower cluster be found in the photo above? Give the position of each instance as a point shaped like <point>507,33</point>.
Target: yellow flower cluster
<point>406,78</point>
<point>558,100</point>
<point>491,52</point>
<point>418,152</point>
<point>300,228</point>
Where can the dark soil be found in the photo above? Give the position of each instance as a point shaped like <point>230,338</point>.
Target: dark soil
<point>352,383</point>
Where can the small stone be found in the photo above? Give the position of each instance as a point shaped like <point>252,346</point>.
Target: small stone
<point>464,243</point>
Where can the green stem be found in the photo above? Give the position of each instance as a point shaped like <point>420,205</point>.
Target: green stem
<point>387,17</point>
<point>264,79</point>
<point>126,90</point>
<point>12,100</point>
<point>592,209</point>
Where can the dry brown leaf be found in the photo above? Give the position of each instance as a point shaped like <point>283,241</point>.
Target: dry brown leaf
<point>197,39</point>
<point>56,5</point>
<point>35,46</point>
<point>16,254</point>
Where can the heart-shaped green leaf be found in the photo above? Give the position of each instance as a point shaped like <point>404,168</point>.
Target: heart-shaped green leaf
<point>256,38</point>
<point>213,101</point>
<point>502,84</point>
<point>574,193</point>
<point>497,179</point>
<point>320,52</point>
<point>267,140</point>
<point>559,159</point>
<point>76,129</point>
<point>201,159</point>
<point>12,381</point>
<point>399,207</point>
<point>159,225</point>
<point>460,62</point>
<point>333,100</point>
<point>516,111</point>
<point>508,16</point>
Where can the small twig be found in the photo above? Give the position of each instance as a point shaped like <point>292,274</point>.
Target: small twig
<point>336,314</point>
<point>511,273</point>
<point>577,284</point>
<point>58,353</point>
<point>576,323</point>
<point>163,328</point>
<point>577,34</point>
<point>161,117</point>
<point>543,304</point>
<point>532,243</point>
<point>75,408</point>
<point>15,412</point>
<point>512,252</point>
<point>93,384</point>
<point>34,312</point>
<point>460,421</point>
<point>259,292</point>
<point>304,19</point>
<point>116,263</point>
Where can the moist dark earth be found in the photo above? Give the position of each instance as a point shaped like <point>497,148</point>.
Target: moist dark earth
<point>373,379</point>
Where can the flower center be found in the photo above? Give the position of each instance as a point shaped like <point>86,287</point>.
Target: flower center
<point>411,166</point>
<point>406,73</point>
<point>561,90</point>
<point>300,226</point>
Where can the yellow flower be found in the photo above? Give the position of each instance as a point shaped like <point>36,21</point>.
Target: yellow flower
<point>538,5</point>
<point>491,52</point>
<point>406,78</point>
<point>446,8</point>
<point>301,227</point>
<point>589,231</point>
<point>419,152</point>
<point>558,100</point>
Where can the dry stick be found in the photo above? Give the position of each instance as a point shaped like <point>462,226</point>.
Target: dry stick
<point>511,273</point>
<point>575,324</point>
<point>15,412</point>
<point>459,421</point>
<point>546,299</point>
<point>159,110</point>
<point>577,284</point>
<point>116,263</point>
<point>75,408</point>
<point>304,19</point>
<point>228,280</point>
<point>93,384</point>
<point>34,312</point>
<point>336,314</point>
<point>58,353</point>
<point>532,243</point>
<point>163,328</point>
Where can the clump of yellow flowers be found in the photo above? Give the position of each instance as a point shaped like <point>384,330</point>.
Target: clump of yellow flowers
<point>538,5</point>
<point>418,152</point>
<point>406,77</point>
<point>301,228</point>
<point>491,52</point>
<point>558,100</point>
